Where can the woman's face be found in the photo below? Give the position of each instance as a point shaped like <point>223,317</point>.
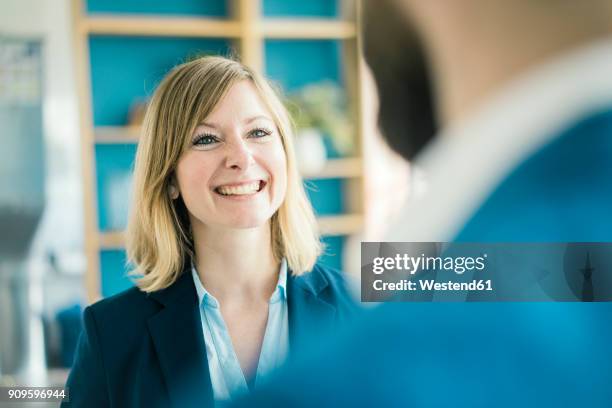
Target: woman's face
<point>233,174</point>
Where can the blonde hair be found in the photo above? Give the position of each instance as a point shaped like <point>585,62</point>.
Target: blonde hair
<point>159,241</point>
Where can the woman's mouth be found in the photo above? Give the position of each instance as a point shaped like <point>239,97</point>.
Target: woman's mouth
<point>242,189</point>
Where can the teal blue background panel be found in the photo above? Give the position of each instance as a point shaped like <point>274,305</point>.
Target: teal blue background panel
<point>300,8</point>
<point>127,69</point>
<point>208,8</point>
<point>111,161</point>
<point>113,277</point>
<point>295,63</point>
<point>332,255</point>
<point>326,196</point>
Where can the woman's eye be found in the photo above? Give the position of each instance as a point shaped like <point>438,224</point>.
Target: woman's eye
<point>205,140</point>
<point>257,133</point>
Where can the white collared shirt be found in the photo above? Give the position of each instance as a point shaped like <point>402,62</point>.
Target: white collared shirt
<point>227,378</point>
<point>464,163</point>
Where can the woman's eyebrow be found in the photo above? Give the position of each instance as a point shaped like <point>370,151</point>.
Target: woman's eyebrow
<point>208,124</point>
<point>254,118</point>
<point>245,121</point>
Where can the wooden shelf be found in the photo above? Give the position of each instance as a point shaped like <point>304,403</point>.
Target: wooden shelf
<point>308,29</point>
<point>111,240</point>
<point>345,224</point>
<point>219,28</point>
<point>338,168</point>
<point>117,134</point>
<point>160,26</point>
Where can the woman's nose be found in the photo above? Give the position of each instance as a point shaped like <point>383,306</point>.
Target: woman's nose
<point>238,155</point>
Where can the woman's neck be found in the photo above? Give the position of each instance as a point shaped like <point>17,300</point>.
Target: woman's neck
<point>236,263</point>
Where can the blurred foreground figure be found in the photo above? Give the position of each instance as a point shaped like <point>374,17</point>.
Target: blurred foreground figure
<point>520,150</point>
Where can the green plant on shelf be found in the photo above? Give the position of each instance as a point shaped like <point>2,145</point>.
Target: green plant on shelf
<point>323,106</point>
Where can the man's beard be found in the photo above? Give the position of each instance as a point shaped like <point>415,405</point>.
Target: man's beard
<point>397,58</point>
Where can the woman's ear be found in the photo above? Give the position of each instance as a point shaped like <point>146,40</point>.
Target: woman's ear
<point>173,191</point>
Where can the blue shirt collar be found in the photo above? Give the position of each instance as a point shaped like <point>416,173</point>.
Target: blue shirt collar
<point>206,299</point>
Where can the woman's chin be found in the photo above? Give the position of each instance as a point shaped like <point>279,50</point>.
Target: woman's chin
<point>248,222</point>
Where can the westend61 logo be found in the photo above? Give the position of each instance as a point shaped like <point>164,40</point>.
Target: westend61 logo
<point>422,271</point>
<point>412,264</point>
<point>405,264</point>
<point>486,272</point>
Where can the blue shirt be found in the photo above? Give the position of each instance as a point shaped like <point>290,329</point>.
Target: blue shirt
<point>226,376</point>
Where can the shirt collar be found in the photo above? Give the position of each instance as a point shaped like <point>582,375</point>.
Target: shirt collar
<point>465,162</point>
<point>206,299</point>
<point>280,293</point>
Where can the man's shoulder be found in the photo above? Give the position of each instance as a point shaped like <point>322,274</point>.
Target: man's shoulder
<point>559,193</point>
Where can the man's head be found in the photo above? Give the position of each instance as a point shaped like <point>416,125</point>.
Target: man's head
<point>442,59</point>
<point>396,56</point>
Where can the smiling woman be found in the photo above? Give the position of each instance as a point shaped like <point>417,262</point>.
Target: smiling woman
<point>224,244</point>
<point>214,123</point>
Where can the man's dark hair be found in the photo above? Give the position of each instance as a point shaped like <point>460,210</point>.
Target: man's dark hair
<point>397,59</point>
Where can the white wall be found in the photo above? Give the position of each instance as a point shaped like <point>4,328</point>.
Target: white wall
<point>61,228</point>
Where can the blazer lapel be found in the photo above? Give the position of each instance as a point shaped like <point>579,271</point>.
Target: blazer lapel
<point>176,331</point>
<point>308,311</point>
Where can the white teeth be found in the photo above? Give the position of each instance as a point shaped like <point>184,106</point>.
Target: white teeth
<point>244,189</point>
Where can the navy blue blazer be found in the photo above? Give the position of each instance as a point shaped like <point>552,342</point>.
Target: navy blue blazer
<point>148,350</point>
